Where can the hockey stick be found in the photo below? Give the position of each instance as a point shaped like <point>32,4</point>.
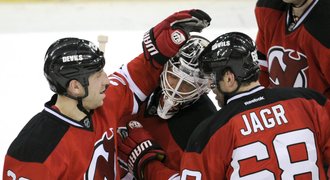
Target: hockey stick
<point>102,39</point>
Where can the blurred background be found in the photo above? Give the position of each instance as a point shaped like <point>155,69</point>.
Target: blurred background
<point>28,27</point>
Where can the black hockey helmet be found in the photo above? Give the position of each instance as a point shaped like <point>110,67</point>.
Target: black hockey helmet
<point>233,50</point>
<point>71,58</point>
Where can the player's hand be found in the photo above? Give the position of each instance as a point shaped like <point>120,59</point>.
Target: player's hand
<point>165,39</point>
<point>138,148</point>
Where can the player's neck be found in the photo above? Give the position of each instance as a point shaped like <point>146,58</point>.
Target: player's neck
<point>68,107</point>
<point>248,87</point>
<point>298,9</point>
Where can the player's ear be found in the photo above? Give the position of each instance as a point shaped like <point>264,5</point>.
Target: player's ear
<point>229,80</point>
<point>75,89</point>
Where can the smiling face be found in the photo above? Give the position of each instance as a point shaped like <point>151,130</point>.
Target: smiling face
<point>180,88</point>
<point>175,92</point>
<point>98,83</point>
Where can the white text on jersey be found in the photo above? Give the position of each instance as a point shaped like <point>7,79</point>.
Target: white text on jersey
<point>267,118</point>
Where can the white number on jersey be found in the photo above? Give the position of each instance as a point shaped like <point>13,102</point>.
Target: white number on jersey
<point>280,143</point>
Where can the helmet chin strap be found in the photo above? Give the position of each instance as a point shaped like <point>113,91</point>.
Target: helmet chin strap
<point>81,107</point>
<point>79,99</point>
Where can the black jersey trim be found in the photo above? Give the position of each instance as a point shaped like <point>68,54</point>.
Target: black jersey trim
<point>317,22</point>
<point>61,117</point>
<point>38,138</point>
<point>85,123</point>
<point>290,25</point>
<point>182,124</point>
<point>273,4</point>
<point>202,134</point>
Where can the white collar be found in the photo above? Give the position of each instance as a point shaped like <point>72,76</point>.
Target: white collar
<point>237,96</point>
<point>302,18</point>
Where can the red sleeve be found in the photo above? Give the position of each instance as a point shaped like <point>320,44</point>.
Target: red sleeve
<point>325,69</point>
<point>19,169</point>
<point>144,74</point>
<point>260,34</point>
<point>262,51</point>
<point>137,79</point>
<point>323,128</point>
<point>157,170</point>
<point>210,163</point>
<point>267,19</point>
<point>130,85</point>
<point>319,55</point>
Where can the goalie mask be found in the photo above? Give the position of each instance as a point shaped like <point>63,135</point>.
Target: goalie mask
<point>181,80</point>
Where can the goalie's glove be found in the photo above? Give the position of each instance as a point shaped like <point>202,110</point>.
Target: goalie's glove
<point>138,148</point>
<point>165,39</point>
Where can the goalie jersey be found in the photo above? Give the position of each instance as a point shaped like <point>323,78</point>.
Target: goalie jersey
<point>53,146</point>
<point>171,134</point>
<point>294,54</point>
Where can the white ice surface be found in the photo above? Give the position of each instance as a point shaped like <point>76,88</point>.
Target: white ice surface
<point>27,29</point>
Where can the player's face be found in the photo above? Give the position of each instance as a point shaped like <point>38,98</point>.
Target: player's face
<point>218,96</point>
<point>183,87</point>
<point>213,84</point>
<point>177,90</point>
<point>180,87</point>
<point>98,82</point>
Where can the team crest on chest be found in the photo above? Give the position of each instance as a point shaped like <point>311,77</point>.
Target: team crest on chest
<point>103,161</point>
<point>287,68</point>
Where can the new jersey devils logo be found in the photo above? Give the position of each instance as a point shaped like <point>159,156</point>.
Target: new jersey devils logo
<point>103,162</point>
<point>287,68</point>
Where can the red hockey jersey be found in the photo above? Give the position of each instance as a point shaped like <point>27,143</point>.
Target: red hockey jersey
<point>53,146</point>
<point>294,54</point>
<point>171,134</point>
<point>263,134</point>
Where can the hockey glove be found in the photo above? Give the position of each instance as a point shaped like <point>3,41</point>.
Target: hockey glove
<point>165,39</point>
<point>138,148</point>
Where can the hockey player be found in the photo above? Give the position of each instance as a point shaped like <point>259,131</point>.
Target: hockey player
<point>260,133</point>
<point>175,108</point>
<point>73,137</point>
<point>293,43</point>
